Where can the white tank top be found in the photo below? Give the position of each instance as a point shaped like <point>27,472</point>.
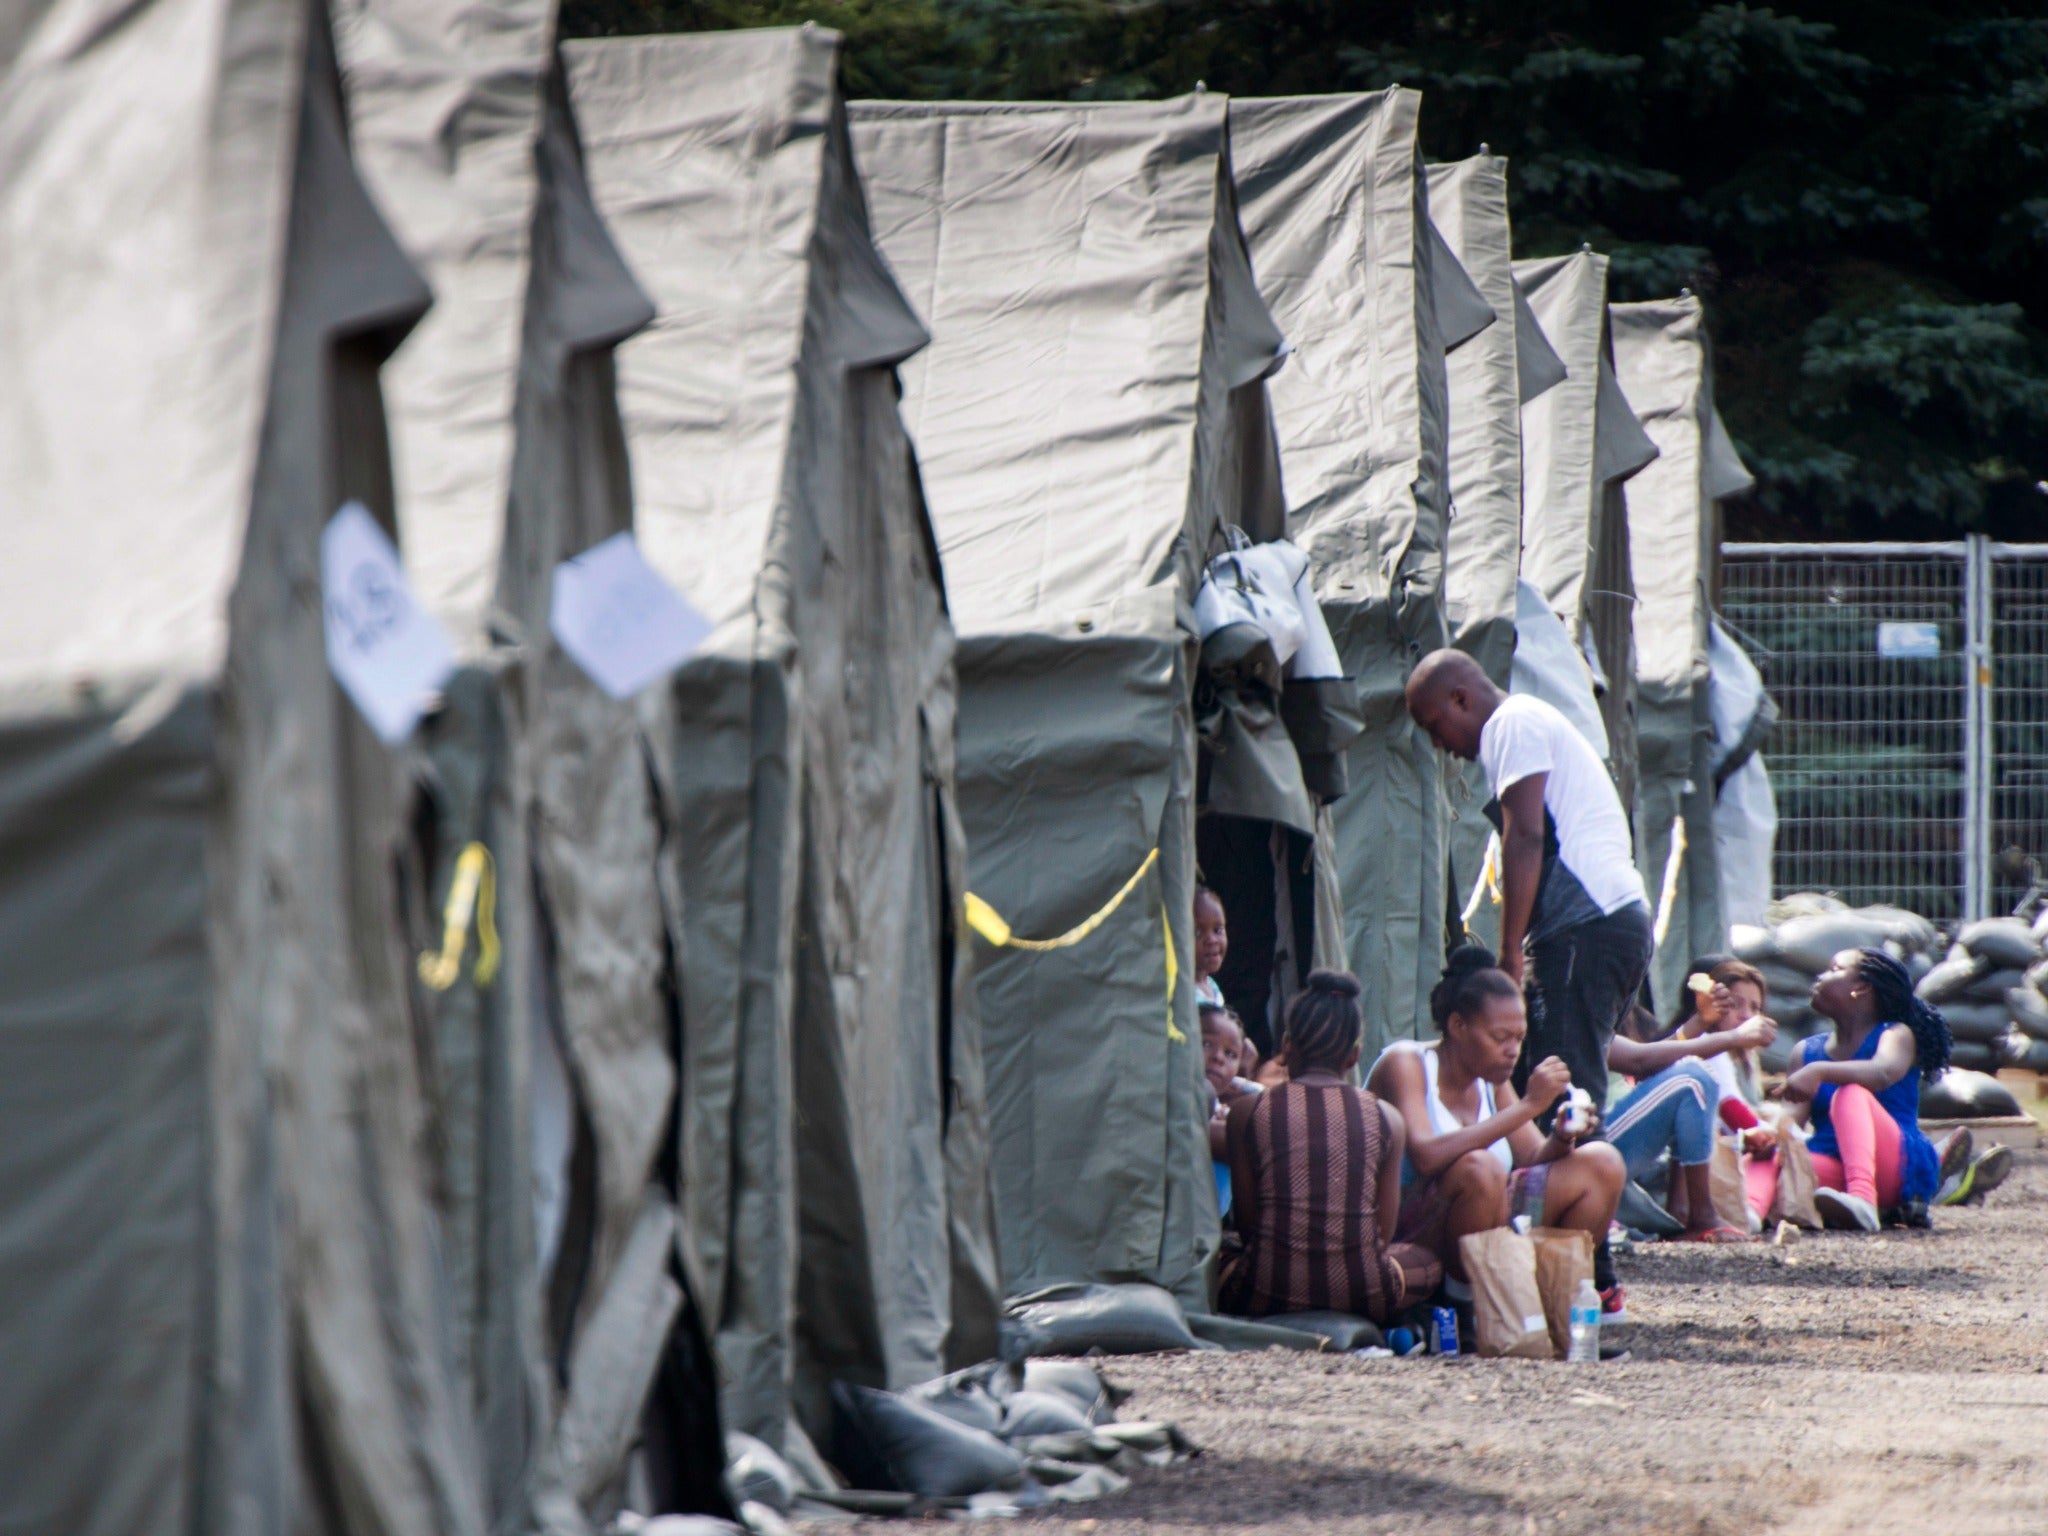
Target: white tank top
<point>1441,1120</point>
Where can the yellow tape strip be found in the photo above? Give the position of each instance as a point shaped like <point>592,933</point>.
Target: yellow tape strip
<point>989,923</point>
<point>473,892</point>
<point>1668,899</point>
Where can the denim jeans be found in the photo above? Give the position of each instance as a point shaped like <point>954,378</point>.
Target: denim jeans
<point>1670,1112</point>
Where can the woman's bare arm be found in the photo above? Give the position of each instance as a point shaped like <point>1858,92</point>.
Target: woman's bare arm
<point>1393,1144</point>
<point>1398,1079</point>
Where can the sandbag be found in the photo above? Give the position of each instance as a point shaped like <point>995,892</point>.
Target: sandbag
<point>972,1397</point>
<point>1961,1094</point>
<point>756,1473</point>
<point>2034,1058</point>
<point>1756,945</point>
<point>1507,1306</point>
<point>1952,978</point>
<point>2029,1010</point>
<point>1027,1413</point>
<point>2002,941</point>
<point>1783,979</point>
<point>1978,1023</point>
<point>1342,1330</point>
<point>1564,1257</point>
<point>889,1443</point>
<point>1640,1212</point>
<point>1248,1335</point>
<point>1804,904</point>
<point>1793,1199</point>
<point>2037,977</point>
<point>1973,1056</point>
<point>1992,986</point>
<point>2011,1048</point>
<point>1724,1179</point>
<point>2041,925</point>
<point>1083,1384</point>
<point>1811,943</point>
<point>1907,929</point>
<point>1071,1319</point>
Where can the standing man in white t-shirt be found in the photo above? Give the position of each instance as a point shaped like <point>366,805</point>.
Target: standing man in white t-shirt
<point>1575,924</point>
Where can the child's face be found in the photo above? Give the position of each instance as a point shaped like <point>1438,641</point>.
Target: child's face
<point>1212,937</point>
<point>1221,1043</point>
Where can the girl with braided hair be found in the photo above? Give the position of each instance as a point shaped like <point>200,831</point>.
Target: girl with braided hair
<point>1315,1171</point>
<point>1860,1089</point>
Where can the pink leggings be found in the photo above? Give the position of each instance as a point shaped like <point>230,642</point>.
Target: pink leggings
<point>1868,1166</point>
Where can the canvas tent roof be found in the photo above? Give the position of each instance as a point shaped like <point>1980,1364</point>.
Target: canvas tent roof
<point>1665,367</point>
<point>1580,441</point>
<point>509,459</point>
<point>832,1133</point>
<point>217,1233</point>
<point>1089,417</point>
<point>1337,215</point>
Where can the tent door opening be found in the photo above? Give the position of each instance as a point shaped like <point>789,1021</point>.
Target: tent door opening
<point>1264,874</point>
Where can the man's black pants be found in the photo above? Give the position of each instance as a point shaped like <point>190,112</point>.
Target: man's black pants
<point>1579,984</point>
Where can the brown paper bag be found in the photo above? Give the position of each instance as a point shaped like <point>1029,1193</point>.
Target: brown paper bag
<point>1507,1307</point>
<point>1796,1183</point>
<point>1731,1200</point>
<point>1564,1257</point>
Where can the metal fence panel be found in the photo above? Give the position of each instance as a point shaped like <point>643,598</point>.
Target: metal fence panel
<point>1911,758</point>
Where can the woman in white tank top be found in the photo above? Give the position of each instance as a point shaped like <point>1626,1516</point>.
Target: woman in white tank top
<point>1475,1158</point>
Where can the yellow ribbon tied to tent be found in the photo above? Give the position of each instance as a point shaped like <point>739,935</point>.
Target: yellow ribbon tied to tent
<point>986,921</point>
<point>473,892</point>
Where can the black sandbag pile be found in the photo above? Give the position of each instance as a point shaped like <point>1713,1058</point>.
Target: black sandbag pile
<point>993,1439</point>
<point>1960,1094</point>
<point>1990,989</point>
<point>1806,931</point>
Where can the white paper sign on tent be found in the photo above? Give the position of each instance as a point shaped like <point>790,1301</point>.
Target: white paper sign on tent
<point>383,648</point>
<point>619,620</point>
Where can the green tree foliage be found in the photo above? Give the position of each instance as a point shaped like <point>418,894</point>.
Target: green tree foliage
<point>1858,191</point>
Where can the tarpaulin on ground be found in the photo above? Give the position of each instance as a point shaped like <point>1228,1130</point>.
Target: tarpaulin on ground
<point>218,1243</point>
<point>1580,440</point>
<point>509,460</point>
<point>1337,213</point>
<point>832,1133</point>
<point>1089,417</point>
<point>1665,367</point>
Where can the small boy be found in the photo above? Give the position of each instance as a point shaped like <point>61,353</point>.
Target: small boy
<point>1222,1041</point>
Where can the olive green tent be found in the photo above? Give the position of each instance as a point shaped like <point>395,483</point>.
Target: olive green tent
<point>1665,366</point>
<point>1090,417</point>
<point>554,1076</point>
<point>217,1245</point>
<point>1336,210</point>
<point>1490,378</point>
<point>1580,442</point>
<point>832,1134</point>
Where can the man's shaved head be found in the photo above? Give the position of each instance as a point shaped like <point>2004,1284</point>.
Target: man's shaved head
<point>1451,697</point>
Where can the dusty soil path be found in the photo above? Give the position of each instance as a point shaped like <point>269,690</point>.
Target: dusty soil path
<point>1851,1385</point>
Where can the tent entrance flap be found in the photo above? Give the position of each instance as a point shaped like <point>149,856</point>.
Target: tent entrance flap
<point>1265,876</point>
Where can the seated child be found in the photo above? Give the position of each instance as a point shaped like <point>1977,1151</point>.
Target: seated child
<point>1735,998</point>
<point>1212,945</point>
<point>1859,1086</point>
<point>1222,1041</point>
<point>1315,1165</point>
<point>1475,1158</point>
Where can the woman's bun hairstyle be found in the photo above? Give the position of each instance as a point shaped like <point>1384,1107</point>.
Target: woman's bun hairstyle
<point>1472,976</point>
<point>1324,1024</point>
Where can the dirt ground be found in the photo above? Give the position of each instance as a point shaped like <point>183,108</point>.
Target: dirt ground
<point>1843,1384</point>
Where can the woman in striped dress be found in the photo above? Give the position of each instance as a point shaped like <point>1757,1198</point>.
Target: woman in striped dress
<point>1315,1173</point>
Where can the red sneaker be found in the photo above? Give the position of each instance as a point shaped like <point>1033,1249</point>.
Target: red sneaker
<point>1614,1304</point>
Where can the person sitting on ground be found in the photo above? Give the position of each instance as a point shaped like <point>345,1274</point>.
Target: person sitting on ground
<point>1734,999</point>
<point>1222,1040</point>
<point>1859,1086</point>
<point>1475,1158</point>
<point>1315,1169</point>
<point>1673,1108</point>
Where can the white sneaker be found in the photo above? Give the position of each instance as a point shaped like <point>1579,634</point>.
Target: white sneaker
<point>1843,1211</point>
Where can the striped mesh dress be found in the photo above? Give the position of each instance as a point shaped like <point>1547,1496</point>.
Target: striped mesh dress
<point>1305,1178</point>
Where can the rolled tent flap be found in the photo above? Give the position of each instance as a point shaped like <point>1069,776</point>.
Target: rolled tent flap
<point>1087,419</point>
<point>1463,309</point>
<point>228,1286</point>
<point>1580,440</point>
<point>831,1131</point>
<point>1337,216</point>
<point>555,1078</point>
<point>1745,810</point>
<point>1665,369</point>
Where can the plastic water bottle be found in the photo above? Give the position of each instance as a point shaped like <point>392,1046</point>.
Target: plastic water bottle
<point>1585,1341</point>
